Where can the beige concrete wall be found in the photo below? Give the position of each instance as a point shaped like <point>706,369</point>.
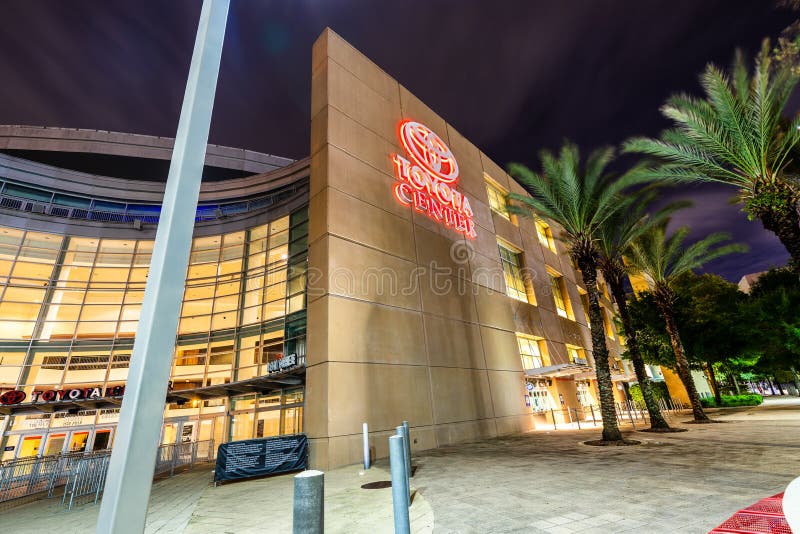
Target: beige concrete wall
<point>400,326</point>
<point>675,386</point>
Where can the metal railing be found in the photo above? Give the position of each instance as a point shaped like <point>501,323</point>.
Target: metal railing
<point>178,455</point>
<point>141,213</point>
<point>27,476</point>
<point>83,474</point>
<point>87,479</point>
<point>629,412</point>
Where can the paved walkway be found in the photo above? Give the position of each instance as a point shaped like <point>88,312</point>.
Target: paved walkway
<point>541,482</point>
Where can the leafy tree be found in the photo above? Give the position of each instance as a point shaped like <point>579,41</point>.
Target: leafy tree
<point>736,135</point>
<point>712,325</point>
<point>664,259</point>
<point>713,328</point>
<point>580,200</point>
<point>773,313</point>
<point>615,235</point>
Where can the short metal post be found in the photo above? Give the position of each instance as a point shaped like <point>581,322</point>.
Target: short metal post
<point>553,414</point>
<point>631,418</point>
<point>400,496</point>
<point>594,421</point>
<point>401,431</point>
<point>309,508</point>
<point>365,429</point>
<point>407,435</point>
<point>578,418</point>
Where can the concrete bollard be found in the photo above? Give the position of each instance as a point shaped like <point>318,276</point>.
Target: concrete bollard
<point>365,429</point>
<point>400,495</point>
<point>309,506</point>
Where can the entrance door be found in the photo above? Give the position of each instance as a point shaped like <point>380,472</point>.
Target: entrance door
<point>206,430</point>
<point>102,439</point>
<point>170,433</point>
<point>55,444</point>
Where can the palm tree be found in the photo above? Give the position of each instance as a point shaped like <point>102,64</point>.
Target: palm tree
<point>615,235</point>
<point>664,259</point>
<point>736,135</point>
<point>580,200</point>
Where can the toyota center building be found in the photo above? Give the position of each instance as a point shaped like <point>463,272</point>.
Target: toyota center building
<point>381,279</point>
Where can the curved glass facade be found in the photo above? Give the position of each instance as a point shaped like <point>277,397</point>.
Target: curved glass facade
<point>69,307</point>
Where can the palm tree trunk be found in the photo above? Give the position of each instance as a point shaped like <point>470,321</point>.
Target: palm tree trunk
<point>682,364</point>
<point>608,410</point>
<point>657,421</point>
<point>714,384</point>
<point>781,217</point>
<point>790,238</point>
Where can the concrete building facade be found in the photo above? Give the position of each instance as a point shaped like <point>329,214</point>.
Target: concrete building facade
<point>380,280</point>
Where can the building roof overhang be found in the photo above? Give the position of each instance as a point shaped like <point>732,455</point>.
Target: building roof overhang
<point>561,369</point>
<point>259,384</point>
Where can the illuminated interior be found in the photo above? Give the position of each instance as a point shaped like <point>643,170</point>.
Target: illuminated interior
<point>69,307</point>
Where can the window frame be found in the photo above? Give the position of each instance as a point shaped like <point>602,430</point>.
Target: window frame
<point>495,192</point>
<point>512,264</point>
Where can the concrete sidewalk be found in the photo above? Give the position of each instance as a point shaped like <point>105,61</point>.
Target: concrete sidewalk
<point>537,482</point>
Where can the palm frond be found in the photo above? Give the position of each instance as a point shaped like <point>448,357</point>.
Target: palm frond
<point>665,258</point>
<point>578,198</point>
<point>735,133</point>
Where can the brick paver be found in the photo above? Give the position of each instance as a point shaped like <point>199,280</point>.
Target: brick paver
<point>541,482</point>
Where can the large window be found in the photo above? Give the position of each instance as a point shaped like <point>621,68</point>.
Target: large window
<point>533,351</point>
<point>497,199</point>
<point>560,295</point>
<point>585,305</point>
<point>545,235</point>
<point>576,355</point>
<point>70,306</point>
<point>511,261</point>
<point>609,327</point>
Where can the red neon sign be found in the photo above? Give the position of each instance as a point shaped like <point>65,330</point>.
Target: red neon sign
<point>427,179</point>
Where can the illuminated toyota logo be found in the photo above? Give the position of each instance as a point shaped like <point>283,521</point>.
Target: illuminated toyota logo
<point>12,397</point>
<point>429,151</point>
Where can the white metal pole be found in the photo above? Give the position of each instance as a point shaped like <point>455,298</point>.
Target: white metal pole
<point>130,474</point>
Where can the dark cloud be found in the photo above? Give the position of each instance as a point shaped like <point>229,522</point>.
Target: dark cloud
<point>513,76</point>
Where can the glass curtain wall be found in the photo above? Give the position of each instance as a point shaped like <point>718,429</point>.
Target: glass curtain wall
<point>69,307</point>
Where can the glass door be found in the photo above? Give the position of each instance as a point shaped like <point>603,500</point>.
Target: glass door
<point>170,433</point>
<point>206,430</point>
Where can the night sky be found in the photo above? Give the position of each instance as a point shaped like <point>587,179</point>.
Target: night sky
<point>514,77</point>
